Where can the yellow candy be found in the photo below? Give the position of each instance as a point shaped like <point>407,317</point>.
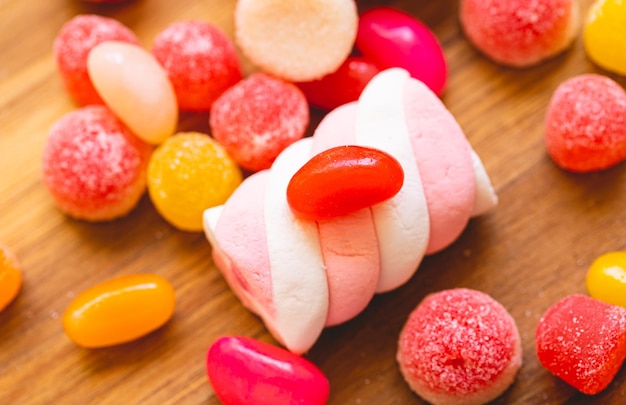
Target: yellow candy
<point>606,279</point>
<point>187,174</point>
<point>605,35</point>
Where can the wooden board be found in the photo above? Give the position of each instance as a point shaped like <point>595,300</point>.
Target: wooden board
<point>532,250</point>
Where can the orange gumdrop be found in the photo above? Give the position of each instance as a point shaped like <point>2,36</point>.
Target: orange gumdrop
<point>10,277</point>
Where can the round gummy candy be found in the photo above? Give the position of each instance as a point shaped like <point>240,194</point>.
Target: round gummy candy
<point>72,46</point>
<point>606,278</point>
<point>259,117</point>
<point>605,35</point>
<point>187,174</point>
<point>10,276</point>
<point>586,124</point>
<point>93,166</point>
<point>200,61</point>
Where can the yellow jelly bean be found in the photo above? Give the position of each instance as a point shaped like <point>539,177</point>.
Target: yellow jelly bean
<point>119,310</point>
<point>605,35</point>
<point>606,278</point>
<point>10,277</point>
<point>187,174</point>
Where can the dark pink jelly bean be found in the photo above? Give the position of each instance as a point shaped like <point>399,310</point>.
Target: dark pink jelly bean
<point>393,38</point>
<point>246,371</point>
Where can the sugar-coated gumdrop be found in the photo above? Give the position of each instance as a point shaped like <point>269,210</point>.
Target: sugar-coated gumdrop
<point>296,40</point>
<point>582,341</point>
<point>459,346</point>
<point>586,124</point>
<point>187,174</point>
<point>257,118</point>
<point>136,88</point>
<point>119,310</point>
<point>72,45</point>
<point>93,166</point>
<point>342,86</point>
<point>343,179</point>
<point>605,35</point>
<point>200,61</point>
<point>606,278</point>
<point>520,33</point>
<point>246,371</point>
<point>393,38</point>
<point>10,276</point>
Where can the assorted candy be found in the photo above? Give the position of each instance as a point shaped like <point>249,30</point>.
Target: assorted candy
<point>10,277</point>
<point>604,35</point>
<point>586,123</point>
<point>119,310</point>
<point>582,341</point>
<point>342,180</point>
<point>187,174</point>
<point>246,371</point>
<point>606,278</point>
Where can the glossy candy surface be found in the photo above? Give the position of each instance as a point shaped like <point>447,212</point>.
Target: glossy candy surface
<point>343,179</point>
<point>606,278</point>
<point>605,35</point>
<point>246,371</point>
<point>136,88</point>
<point>342,86</point>
<point>119,310</point>
<point>187,174</point>
<point>582,341</point>
<point>10,277</point>
<point>392,38</point>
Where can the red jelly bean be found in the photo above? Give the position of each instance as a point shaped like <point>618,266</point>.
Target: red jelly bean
<point>342,86</point>
<point>392,38</point>
<point>342,180</point>
<point>246,371</point>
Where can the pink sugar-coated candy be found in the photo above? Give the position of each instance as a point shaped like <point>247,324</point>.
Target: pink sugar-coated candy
<point>136,88</point>
<point>72,45</point>
<point>520,33</point>
<point>393,38</point>
<point>93,166</point>
<point>459,346</point>
<point>586,124</point>
<point>257,118</point>
<point>582,341</point>
<point>200,61</point>
<point>246,371</point>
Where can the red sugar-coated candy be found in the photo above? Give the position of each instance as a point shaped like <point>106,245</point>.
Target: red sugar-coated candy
<point>586,124</point>
<point>342,180</point>
<point>200,61</point>
<point>93,166</point>
<point>246,371</point>
<point>582,341</point>
<point>71,48</point>
<point>257,118</point>
<point>459,346</point>
<point>342,86</point>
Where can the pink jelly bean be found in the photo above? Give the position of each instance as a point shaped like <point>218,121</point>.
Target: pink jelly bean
<point>582,341</point>
<point>392,38</point>
<point>246,371</point>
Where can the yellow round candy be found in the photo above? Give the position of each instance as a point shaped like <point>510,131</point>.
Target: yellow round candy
<point>187,174</point>
<point>606,279</point>
<point>605,35</point>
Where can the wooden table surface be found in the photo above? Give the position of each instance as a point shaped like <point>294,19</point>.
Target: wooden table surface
<point>532,250</point>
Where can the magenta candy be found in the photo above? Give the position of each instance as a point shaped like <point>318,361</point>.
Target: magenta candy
<point>392,38</point>
<point>246,371</point>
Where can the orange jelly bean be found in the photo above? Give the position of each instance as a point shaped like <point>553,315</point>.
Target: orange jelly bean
<point>119,310</point>
<point>606,278</point>
<point>343,179</point>
<point>10,277</point>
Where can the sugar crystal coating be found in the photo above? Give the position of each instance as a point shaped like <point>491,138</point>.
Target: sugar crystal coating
<point>459,346</point>
<point>72,45</point>
<point>93,166</point>
<point>259,117</point>
<point>200,61</point>
<point>586,123</point>
<point>582,341</point>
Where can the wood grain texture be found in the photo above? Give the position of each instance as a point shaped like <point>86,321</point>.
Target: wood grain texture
<point>532,250</point>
